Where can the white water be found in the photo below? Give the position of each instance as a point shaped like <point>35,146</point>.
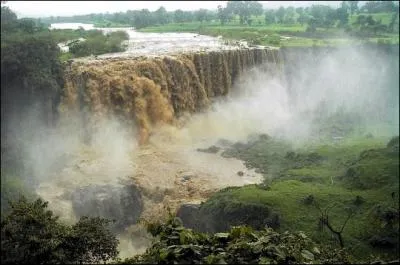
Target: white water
<point>85,26</point>
<point>143,43</point>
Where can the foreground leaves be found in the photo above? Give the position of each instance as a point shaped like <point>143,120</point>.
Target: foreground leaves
<point>31,234</point>
<point>241,245</point>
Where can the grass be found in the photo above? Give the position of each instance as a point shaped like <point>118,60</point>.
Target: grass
<point>286,197</point>
<point>302,176</point>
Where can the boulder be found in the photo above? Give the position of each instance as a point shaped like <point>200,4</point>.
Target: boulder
<point>219,217</point>
<point>189,214</point>
<point>212,149</point>
<point>116,202</point>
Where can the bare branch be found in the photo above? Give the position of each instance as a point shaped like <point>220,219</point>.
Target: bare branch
<point>345,222</point>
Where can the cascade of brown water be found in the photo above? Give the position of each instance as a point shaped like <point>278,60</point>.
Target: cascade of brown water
<point>155,90</point>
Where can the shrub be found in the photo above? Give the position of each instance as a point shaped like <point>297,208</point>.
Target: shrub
<point>31,234</point>
<point>241,245</point>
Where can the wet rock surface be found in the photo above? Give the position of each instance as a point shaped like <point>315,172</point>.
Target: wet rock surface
<point>120,203</point>
<point>189,214</point>
<point>212,149</point>
<point>220,217</point>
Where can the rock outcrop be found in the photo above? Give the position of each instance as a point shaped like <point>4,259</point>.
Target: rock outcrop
<point>120,203</point>
<point>220,217</point>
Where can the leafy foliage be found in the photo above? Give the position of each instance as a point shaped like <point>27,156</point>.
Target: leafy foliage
<point>98,43</point>
<point>32,234</point>
<point>241,245</point>
<point>87,243</point>
<point>12,187</point>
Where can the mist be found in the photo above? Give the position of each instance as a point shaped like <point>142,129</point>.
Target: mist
<point>355,86</point>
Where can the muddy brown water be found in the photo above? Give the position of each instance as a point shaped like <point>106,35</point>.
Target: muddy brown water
<point>168,169</point>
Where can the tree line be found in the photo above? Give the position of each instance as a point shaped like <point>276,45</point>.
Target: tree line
<point>240,11</point>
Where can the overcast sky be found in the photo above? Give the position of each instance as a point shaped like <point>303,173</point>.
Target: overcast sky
<point>69,8</point>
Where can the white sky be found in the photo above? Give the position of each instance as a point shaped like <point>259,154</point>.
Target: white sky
<point>69,8</point>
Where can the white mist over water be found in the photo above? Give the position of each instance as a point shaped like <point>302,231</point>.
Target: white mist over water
<point>358,86</point>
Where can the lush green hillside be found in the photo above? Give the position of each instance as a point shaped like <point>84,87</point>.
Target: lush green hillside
<point>357,177</point>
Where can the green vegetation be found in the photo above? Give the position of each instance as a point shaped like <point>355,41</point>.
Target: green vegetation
<point>32,73</point>
<point>12,187</point>
<point>343,195</point>
<point>319,25</point>
<point>98,43</point>
<point>239,245</point>
<point>316,25</point>
<point>17,31</point>
<point>357,177</point>
<point>30,234</point>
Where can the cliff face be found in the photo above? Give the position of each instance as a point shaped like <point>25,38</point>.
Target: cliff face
<point>150,91</point>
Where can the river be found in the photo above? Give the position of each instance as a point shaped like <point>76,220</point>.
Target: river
<point>143,43</point>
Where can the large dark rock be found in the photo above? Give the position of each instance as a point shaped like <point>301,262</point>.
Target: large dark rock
<point>189,214</point>
<point>220,216</point>
<point>382,241</point>
<point>120,203</point>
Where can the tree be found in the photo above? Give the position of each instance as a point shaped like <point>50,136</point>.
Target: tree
<point>31,234</point>
<point>330,18</point>
<point>90,241</point>
<point>201,14</point>
<point>353,7</point>
<point>189,16</point>
<point>324,15</point>
<point>324,221</point>
<point>290,15</point>
<point>142,18</point>
<point>345,5</point>
<point>312,25</point>
<point>393,20</point>
<point>269,16</point>
<point>366,23</point>
<point>379,6</point>
<point>8,19</point>
<point>223,14</point>
<point>255,8</point>
<point>342,16</point>
<point>211,15</point>
<point>161,16</point>
<point>179,16</point>
<point>299,10</point>
<point>302,15</point>
<point>280,14</point>
<point>244,9</point>
<point>27,25</point>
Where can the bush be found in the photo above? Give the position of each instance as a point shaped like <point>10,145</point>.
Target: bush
<point>97,43</point>
<point>273,39</point>
<point>30,234</point>
<point>241,245</point>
